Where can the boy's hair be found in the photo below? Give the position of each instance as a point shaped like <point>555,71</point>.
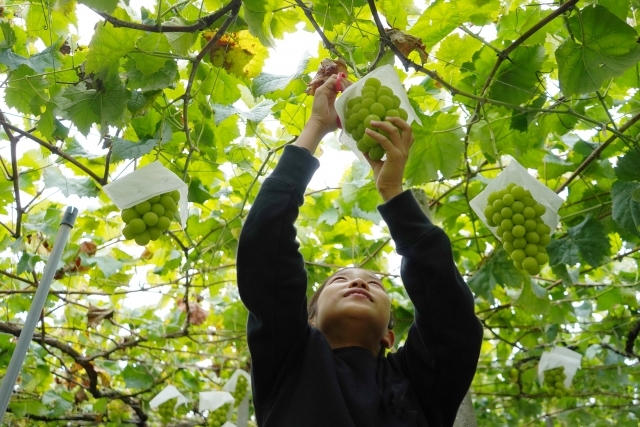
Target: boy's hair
<point>312,306</point>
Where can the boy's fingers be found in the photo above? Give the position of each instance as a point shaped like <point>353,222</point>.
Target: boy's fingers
<point>392,131</point>
<point>384,141</point>
<point>329,85</point>
<point>407,131</point>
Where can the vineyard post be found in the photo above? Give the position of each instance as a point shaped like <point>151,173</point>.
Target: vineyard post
<point>15,366</point>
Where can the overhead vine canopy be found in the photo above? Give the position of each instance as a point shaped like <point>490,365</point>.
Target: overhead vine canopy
<point>552,84</point>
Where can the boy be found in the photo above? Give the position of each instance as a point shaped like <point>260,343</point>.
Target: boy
<point>325,365</point>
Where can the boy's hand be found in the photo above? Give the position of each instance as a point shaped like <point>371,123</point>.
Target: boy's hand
<point>323,112</point>
<point>388,174</point>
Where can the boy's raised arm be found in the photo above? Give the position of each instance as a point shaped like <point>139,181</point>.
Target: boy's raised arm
<point>272,279</point>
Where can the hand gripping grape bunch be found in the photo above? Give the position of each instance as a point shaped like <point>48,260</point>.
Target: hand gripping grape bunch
<point>554,381</point>
<point>524,234</point>
<point>376,103</point>
<point>147,220</point>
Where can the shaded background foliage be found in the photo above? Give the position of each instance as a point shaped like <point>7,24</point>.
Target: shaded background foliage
<point>182,83</point>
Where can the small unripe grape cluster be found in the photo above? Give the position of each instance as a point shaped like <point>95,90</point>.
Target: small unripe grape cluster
<point>165,411</point>
<point>554,381</point>
<point>242,387</point>
<point>147,220</point>
<point>376,103</point>
<point>524,234</point>
<point>218,417</point>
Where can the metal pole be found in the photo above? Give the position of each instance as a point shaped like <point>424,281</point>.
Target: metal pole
<point>15,366</point>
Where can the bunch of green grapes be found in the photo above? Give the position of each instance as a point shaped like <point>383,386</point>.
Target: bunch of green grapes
<point>376,103</point>
<point>165,412</point>
<point>554,381</point>
<point>242,386</point>
<point>524,234</point>
<point>147,220</point>
<point>218,417</point>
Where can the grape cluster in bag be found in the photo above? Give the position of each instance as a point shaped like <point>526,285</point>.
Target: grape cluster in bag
<point>554,381</point>
<point>218,417</point>
<point>524,234</point>
<point>147,220</point>
<point>376,103</point>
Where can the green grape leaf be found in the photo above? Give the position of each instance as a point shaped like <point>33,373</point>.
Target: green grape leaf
<point>85,107</point>
<point>107,265</point>
<point>163,78</point>
<point>604,48</point>
<point>81,187</point>
<point>8,35</point>
<point>628,167</point>
<point>222,86</point>
<point>180,42</point>
<point>108,45</point>
<point>498,269</point>
<point>516,81</point>
<point>26,98</point>
<point>101,5</point>
<point>265,83</point>
<point>137,377</point>
<point>256,114</point>
<point>260,25</point>
<point>49,58</point>
<point>534,298</point>
<point>198,192</point>
<point>587,239</point>
<point>123,149</point>
<point>438,146</point>
<point>620,8</point>
<point>635,194</point>
<point>626,210</point>
<point>11,60</point>
<point>27,262</point>
<point>147,63</point>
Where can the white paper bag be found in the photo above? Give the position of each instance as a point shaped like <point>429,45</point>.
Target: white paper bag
<point>232,382</point>
<point>168,393</point>
<point>388,77</point>
<point>146,182</point>
<point>560,357</point>
<point>212,400</point>
<point>542,194</point>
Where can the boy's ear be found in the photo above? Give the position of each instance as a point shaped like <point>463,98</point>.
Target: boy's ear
<point>388,340</point>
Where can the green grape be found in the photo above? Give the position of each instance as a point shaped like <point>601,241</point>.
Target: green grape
<point>497,218</point>
<point>517,192</point>
<point>143,207</point>
<point>508,199</point>
<point>385,91</point>
<point>518,231</point>
<point>517,206</point>
<point>529,263</point>
<point>360,129</point>
<point>396,101</point>
<point>386,102</point>
<point>542,258</point>
<point>154,233</point>
<point>531,249</point>
<point>353,121</point>
<point>503,193</point>
<point>128,214</point>
<point>369,89</point>
<point>137,225</point>
<point>168,203</point>
<point>529,213</point>
<point>154,199</point>
<point>218,417</point>
<point>353,101</point>
<point>368,95</point>
<point>492,197</point>
<point>361,146</point>
<point>545,239</point>
<point>518,219</point>
<point>488,211</point>
<point>499,231</point>
<point>127,233</point>
<point>163,223</point>
<point>490,222</point>
<point>376,152</point>
<point>529,225</point>
<point>508,247</point>
<point>372,82</point>
<point>377,109</point>
<point>510,185</point>
<point>532,237</point>
<point>518,255</point>
<point>157,209</point>
<point>538,220</point>
<point>391,113</point>
<point>165,411</point>
<point>370,118</point>
<point>506,224</point>
<point>519,243</point>
<point>541,249</point>
<point>518,265</point>
<point>363,113</point>
<point>150,219</point>
<point>507,236</point>
<point>175,195</point>
<point>506,212</point>
<point>543,229</point>
<point>540,209</point>
<point>528,202</point>
<point>368,103</point>
<point>403,114</point>
<point>143,238</point>
<point>498,205</point>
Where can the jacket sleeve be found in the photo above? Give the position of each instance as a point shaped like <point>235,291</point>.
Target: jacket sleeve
<point>272,279</point>
<point>441,352</point>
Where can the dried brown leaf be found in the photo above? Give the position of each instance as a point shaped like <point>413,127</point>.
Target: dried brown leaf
<point>327,68</point>
<point>406,43</point>
<point>96,315</point>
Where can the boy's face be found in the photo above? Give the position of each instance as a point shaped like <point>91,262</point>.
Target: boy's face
<point>354,296</point>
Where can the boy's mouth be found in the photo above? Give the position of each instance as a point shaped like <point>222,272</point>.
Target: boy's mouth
<point>358,293</point>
